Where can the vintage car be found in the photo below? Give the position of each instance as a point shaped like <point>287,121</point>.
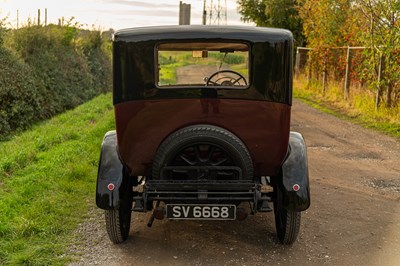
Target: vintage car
<point>202,128</point>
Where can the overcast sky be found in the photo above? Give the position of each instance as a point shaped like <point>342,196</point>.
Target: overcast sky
<point>114,14</point>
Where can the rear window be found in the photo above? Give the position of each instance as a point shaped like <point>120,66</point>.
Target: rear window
<point>213,64</point>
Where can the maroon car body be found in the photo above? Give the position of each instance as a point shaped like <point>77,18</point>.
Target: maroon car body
<point>262,126</point>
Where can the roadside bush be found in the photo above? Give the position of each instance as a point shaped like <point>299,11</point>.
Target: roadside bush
<point>21,95</point>
<point>96,48</point>
<point>47,70</point>
<point>50,53</point>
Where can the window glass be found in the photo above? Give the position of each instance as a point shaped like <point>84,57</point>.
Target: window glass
<point>203,64</point>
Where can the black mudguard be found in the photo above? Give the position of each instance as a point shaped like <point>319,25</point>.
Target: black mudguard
<point>295,174</point>
<point>110,174</point>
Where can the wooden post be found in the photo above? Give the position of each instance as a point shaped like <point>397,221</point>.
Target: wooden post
<point>17,18</point>
<point>38,17</point>
<point>297,67</point>
<point>45,16</point>
<point>347,77</point>
<point>309,68</point>
<point>380,78</point>
<point>324,76</point>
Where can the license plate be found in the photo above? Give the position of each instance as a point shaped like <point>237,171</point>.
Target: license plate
<point>201,212</point>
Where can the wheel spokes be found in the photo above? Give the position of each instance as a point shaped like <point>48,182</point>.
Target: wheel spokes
<point>223,160</point>
<point>201,155</point>
<point>188,161</point>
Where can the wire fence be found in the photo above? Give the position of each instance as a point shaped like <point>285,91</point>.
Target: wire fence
<point>338,63</point>
<point>348,66</point>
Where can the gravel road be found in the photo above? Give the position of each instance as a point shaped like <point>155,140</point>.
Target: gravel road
<point>354,218</point>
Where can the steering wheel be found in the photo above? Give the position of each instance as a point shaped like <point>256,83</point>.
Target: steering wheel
<point>226,78</point>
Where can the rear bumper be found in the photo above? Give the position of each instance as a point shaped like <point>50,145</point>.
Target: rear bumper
<point>200,192</point>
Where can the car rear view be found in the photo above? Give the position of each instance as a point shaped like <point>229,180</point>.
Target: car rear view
<point>203,129</point>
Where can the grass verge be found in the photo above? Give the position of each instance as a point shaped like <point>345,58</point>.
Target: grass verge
<point>47,180</point>
<point>359,109</point>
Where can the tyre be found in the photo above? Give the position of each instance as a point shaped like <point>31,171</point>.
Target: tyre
<point>202,145</point>
<point>287,222</point>
<point>118,221</point>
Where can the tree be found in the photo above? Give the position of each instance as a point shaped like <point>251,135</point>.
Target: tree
<point>382,35</point>
<point>273,13</point>
<point>327,24</point>
<point>253,11</point>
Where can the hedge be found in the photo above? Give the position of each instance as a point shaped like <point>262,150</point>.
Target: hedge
<point>47,70</point>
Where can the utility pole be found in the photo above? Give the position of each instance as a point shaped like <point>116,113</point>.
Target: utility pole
<point>211,12</point>
<point>217,13</point>
<point>204,13</point>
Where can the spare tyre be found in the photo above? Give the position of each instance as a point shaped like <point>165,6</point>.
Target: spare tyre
<point>187,151</point>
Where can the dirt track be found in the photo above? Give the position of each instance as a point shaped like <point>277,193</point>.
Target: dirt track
<point>354,218</point>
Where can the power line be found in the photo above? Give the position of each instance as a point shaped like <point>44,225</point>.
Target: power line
<point>217,13</point>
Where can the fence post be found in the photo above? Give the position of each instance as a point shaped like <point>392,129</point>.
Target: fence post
<point>324,76</point>
<point>380,77</point>
<point>347,77</point>
<point>297,67</point>
<point>309,76</point>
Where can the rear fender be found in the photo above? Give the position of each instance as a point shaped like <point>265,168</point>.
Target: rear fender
<point>110,174</point>
<point>296,189</point>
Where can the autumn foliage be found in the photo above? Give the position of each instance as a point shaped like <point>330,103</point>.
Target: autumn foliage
<point>330,26</point>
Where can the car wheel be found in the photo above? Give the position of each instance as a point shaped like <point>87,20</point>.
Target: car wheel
<point>118,221</point>
<point>203,145</point>
<point>287,222</point>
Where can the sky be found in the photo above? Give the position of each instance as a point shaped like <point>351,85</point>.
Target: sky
<point>116,14</point>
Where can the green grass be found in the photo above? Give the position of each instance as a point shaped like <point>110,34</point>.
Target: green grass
<point>359,109</point>
<point>47,181</point>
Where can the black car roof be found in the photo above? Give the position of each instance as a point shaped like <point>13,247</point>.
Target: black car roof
<point>185,32</point>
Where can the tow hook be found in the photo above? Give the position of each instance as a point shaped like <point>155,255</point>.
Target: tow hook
<point>158,214</point>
